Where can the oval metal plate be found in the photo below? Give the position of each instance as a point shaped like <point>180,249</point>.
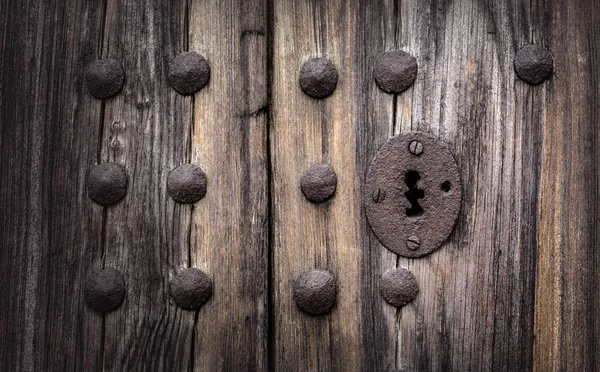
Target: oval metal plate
<point>412,200</point>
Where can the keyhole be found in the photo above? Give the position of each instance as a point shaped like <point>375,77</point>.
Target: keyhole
<point>413,194</point>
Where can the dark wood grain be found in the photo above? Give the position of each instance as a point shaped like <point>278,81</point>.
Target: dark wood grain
<point>146,235</point>
<point>567,324</point>
<point>49,230</point>
<point>229,233</point>
<point>515,288</point>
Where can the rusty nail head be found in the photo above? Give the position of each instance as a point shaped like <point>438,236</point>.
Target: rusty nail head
<point>533,64</point>
<point>107,183</point>
<point>399,287</point>
<point>187,183</point>
<point>104,289</point>
<point>319,183</point>
<point>188,73</point>
<point>395,71</point>
<point>318,77</point>
<point>315,292</point>
<point>416,148</point>
<point>191,288</point>
<point>104,78</point>
<point>413,243</point>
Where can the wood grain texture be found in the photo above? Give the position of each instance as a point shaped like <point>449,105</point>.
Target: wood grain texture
<point>49,230</point>
<point>146,234</point>
<point>567,325</point>
<point>515,288</point>
<point>229,233</point>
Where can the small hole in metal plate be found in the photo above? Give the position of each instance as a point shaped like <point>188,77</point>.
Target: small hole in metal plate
<point>446,186</point>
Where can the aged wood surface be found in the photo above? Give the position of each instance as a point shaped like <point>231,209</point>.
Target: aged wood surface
<point>567,311</point>
<point>50,232</point>
<point>229,231</point>
<point>515,288</point>
<point>146,234</point>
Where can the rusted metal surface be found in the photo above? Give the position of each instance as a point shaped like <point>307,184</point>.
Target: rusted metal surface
<point>395,71</point>
<point>188,73</point>
<point>104,289</point>
<point>187,183</point>
<point>191,288</point>
<point>422,194</point>
<point>104,78</point>
<point>315,292</point>
<point>399,287</point>
<point>318,77</point>
<point>533,64</point>
<point>107,183</point>
<point>318,184</point>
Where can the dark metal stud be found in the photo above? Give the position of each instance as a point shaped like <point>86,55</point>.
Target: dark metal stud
<point>315,292</point>
<point>187,183</point>
<point>104,78</point>
<point>107,183</point>
<point>104,289</point>
<point>191,288</point>
<point>319,183</point>
<point>533,64</point>
<point>318,77</point>
<point>395,71</point>
<point>399,287</point>
<point>189,72</point>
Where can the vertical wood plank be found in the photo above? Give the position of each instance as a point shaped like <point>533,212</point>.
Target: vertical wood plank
<point>145,128</point>
<point>49,229</point>
<point>475,307</point>
<point>229,235</point>
<point>567,325</point>
<point>344,131</point>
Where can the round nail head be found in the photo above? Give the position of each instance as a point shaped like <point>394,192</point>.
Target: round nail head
<point>315,292</point>
<point>104,289</point>
<point>191,288</point>
<point>104,78</point>
<point>188,73</point>
<point>319,183</point>
<point>107,183</point>
<point>399,287</point>
<point>318,77</point>
<point>187,184</point>
<point>533,64</point>
<point>395,71</point>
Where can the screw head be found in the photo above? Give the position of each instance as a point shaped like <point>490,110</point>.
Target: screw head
<point>416,148</point>
<point>413,243</point>
<point>378,195</point>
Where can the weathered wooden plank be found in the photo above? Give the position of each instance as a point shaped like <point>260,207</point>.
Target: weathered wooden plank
<point>229,235</point>
<point>567,324</point>
<point>145,129</point>
<point>342,131</point>
<point>475,308</point>
<point>49,230</point>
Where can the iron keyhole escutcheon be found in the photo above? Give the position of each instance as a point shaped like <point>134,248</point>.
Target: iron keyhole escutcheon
<point>413,194</point>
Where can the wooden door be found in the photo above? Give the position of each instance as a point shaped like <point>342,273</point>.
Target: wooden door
<point>515,287</point>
